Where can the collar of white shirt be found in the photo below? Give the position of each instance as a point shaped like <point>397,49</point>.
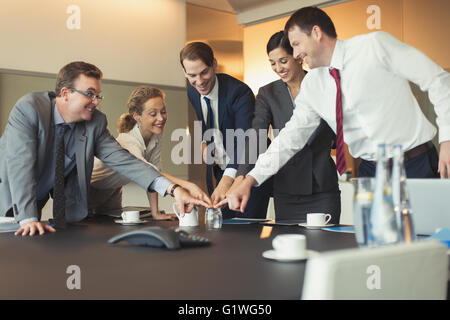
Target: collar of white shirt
<point>221,157</point>
<point>337,59</point>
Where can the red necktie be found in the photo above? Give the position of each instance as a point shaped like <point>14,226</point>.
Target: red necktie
<point>341,165</point>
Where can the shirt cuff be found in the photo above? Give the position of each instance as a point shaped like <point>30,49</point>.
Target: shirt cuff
<point>22,222</point>
<point>230,172</point>
<point>260,178</point>
<point>160,185</point>
<point>444,133</point>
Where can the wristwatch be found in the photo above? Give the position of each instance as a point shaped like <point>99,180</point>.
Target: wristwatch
<point>172,190</point>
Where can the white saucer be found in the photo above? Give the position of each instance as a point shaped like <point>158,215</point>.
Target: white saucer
<point>315,227</point>
<point>272,254</point>
<point>129,223</point>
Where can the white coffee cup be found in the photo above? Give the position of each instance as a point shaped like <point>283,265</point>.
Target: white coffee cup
<point>190,219</point>
<point>130,216</point>
<point>290,245</point>
<point>317,219</point>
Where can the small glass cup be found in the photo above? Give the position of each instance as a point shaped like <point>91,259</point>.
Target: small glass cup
<point>362,202</point>
<point>213,219</point>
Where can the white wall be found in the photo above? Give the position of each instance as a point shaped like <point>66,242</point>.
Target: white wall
<point>132,41</point>
<point>129,40</point>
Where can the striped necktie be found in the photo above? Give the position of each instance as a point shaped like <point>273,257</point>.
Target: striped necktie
<point>341,164</point>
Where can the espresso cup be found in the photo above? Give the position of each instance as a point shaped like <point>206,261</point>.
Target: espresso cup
<point>190,219</point>
<point>130,216</point>
<point>290,245</point>
<point>317,219</point>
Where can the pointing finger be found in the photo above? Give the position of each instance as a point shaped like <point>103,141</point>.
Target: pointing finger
<point>221,203</point>
<point>243,203</point>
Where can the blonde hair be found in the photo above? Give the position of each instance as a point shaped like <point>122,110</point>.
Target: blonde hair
<point>135,104</point>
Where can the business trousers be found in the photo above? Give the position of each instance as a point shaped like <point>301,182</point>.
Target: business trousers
<point>296,207</point>
<point>424,165</point>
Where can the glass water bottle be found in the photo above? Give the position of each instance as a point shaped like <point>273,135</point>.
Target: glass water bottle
<point>382,223</point>
<point>213,219</point>
<point>400,198</point>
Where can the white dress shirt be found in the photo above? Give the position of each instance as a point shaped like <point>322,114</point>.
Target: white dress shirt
<point>220,156</point>
<point>378,104</point>
<point>105,178</point>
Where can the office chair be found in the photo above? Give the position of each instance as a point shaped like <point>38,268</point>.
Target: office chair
<point>404,271</point>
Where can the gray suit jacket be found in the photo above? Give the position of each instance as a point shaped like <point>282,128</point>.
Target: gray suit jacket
<point>309,171</point>
<point>29,138</point>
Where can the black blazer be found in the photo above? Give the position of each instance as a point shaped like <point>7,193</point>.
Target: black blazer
<point>309,171</point>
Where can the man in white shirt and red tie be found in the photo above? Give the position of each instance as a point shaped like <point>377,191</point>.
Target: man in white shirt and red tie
<point>360,88</point>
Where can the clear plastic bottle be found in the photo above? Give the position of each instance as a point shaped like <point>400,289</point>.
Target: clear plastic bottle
<point>400,198</point>
<point>382,222</point>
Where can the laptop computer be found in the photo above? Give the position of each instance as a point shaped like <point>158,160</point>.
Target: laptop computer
<point>430,204</point>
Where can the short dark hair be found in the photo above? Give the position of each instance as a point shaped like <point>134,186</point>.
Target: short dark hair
<point>70,72</point>
<point>279,40</point>
<point>195,51</point>
<point>308,17</point>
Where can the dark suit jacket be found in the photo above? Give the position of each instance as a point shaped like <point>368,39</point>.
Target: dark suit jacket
<point>236,107</point>
<point>311,170</point>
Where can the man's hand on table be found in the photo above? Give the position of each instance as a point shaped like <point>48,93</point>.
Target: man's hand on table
<point>30,228</point>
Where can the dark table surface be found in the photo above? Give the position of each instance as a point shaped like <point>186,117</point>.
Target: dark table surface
<point>232,267</point>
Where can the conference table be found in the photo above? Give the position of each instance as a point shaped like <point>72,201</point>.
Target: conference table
<point>231,267</point>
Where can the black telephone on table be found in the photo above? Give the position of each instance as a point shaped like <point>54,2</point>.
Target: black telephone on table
<point>161,237</point>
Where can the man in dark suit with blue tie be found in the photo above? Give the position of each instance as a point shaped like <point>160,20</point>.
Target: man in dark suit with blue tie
<point>221,102</point>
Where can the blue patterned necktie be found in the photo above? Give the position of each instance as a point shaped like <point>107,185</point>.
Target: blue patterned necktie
<point>59,206</point>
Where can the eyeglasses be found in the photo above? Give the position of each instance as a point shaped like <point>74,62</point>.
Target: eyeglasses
<point>90,95</point>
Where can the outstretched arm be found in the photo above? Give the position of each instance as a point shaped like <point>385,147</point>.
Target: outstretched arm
<point>192,188</point>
